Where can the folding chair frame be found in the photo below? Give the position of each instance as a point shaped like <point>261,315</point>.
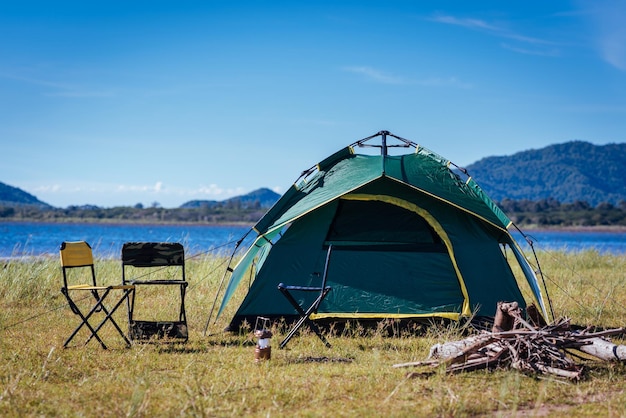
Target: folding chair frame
<point>305,316</point>
<point>151,255</point>
<point>84,259</point>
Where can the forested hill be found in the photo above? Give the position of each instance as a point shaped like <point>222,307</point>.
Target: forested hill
<point>13,196</point>
<point>261,198</point>
<point>569,172</point>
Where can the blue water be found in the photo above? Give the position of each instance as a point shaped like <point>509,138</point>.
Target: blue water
<point>575,241</point>
<point>19,239</point>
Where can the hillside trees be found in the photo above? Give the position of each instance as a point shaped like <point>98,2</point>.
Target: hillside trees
<point>218,214</point>
<point>550,212</point>
<point>542,213</point>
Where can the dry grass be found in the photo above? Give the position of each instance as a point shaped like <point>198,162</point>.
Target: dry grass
<point>216,375</point>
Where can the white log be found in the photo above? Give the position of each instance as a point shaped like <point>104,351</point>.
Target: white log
<point>604,349</point>
<point>454,348</point>
<point>570,374</point>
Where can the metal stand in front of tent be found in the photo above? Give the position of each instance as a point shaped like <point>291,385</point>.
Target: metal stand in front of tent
<point>305,315</point>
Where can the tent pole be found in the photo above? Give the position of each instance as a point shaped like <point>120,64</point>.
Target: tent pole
<point>383,149</point>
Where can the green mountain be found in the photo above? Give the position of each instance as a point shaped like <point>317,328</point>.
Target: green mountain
<point>12,196</point>
<point>260,198</point>
<point>568,172</point>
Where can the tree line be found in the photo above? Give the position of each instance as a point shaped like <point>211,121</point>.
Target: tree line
<point>544,212</point>
<point>551,212</point>
<point>215,214</point>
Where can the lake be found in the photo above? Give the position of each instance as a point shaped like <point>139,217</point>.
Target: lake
<point>613,242</point>
<point>19,239</point>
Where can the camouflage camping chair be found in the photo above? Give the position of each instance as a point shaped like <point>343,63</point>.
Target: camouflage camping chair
<point>78,257</point>
<point>156,265</point>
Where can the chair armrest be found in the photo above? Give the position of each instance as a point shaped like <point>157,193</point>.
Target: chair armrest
<point>91,287</point>
<point>159,282</point>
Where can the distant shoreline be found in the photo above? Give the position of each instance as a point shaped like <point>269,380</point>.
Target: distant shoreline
<point>594,228</point>
<point>76,221</point>
<point>93,221</point>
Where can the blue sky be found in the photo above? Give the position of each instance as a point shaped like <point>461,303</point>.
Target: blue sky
<point>117,103</point>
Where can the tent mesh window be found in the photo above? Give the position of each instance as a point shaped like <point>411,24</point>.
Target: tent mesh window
<point>367,224</point>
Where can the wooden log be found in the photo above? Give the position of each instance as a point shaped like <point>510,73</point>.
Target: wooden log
<point>506,313</point>
<point>605,333</point>
<point>431,363</point>
<point>535,316</point>
<point>467,352</point>
<point>470,365</point>
<point>453,348</point>
<point>524,366</point>
<point>603,349</point>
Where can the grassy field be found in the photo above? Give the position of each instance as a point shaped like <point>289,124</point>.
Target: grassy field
<point>216,375</point>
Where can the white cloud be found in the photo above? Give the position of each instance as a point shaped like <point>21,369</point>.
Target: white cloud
<point>52,188</point>
<point>465,22</point>
<point>544,53</point>
<point>531,45</point>
<point>156,188</point>
<point>376,75</point>
<point>382,77</point>
<point>607,18</point>
<point>109,194</point>
<point>494,30</point>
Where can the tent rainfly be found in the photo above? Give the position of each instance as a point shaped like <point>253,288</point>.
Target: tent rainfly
<point>411,239</point>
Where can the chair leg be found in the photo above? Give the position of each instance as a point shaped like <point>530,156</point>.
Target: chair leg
<point>304,318</point>
<point>131,309</point>
<point>109,317</point>
<point>85,321</point>
<point>297,326</point>
<point>183,313</point>
<point>293,331</point>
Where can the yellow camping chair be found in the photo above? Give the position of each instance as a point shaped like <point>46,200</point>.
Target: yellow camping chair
<point>78,255</point>
<point>155,264</point>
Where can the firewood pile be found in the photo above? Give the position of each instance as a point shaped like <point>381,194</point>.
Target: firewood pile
<point>517,344</point>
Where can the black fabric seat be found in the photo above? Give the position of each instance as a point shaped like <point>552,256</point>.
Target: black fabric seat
<point>155,264</point>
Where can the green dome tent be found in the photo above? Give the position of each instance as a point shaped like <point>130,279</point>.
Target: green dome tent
<point>410,240</point>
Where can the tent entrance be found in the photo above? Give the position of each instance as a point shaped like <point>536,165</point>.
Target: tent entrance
<point>372,225</point>
<point>388,262</point>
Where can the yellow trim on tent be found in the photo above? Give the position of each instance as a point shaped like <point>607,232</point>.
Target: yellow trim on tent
<point>433,223</point>
<point>451,204</point>
<point>343,315</point>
